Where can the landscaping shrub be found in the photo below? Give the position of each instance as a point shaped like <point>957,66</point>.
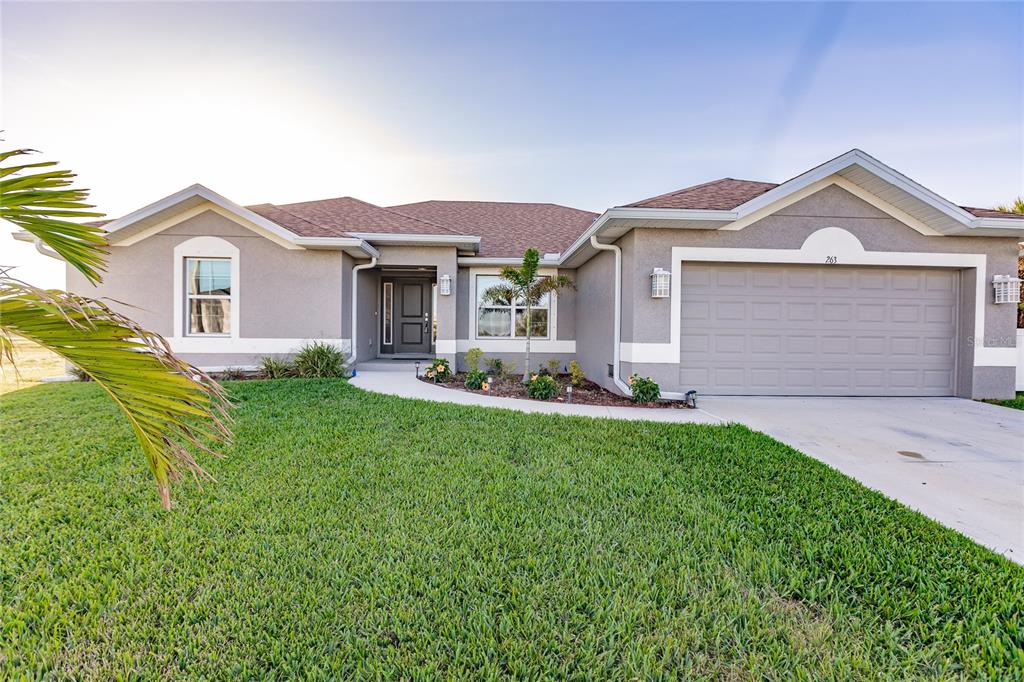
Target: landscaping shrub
<point>272,368</point>
<point>496,368</point>
<point>231,374</point>
<point>553,366</point>
<point>645,389</point>
<point>576,374</point>
<point>439,370</point>
<point>541,387</point>
<point>473,358</point>
<point>320,360</point>
<point>476,379</point>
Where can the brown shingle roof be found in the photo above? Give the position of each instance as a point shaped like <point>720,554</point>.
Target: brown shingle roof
<point>342,216</point>
<point>506,229</point>
<point>718,195</point>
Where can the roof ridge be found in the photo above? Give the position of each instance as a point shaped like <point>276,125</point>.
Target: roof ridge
<point>420,220</point>
<point>297,217</point>
<point>691,188</point>
<point>486,201</point>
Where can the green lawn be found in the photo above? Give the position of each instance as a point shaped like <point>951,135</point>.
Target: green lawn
<point>1016,403</point>
<point>357,535</point>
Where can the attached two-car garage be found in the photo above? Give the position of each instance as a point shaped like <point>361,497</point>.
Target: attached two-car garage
<point>832,330</point>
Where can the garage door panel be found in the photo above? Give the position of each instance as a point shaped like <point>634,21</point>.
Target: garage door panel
<point>808,330</point>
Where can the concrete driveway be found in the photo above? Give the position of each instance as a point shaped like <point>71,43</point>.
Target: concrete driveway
<point>958,461</point>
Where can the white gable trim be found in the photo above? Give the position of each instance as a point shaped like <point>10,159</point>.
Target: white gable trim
<point>205,193</point>
<point>197,210</point>
<point>212,201</point>
<point>843,183</point>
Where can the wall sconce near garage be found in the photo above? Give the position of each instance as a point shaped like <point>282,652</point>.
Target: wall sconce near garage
<point>444,285</point>
<point>660,280</point>
<point>1007,288</point>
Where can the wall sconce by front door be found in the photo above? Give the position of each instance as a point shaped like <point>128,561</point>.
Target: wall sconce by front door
<point>444,285</point>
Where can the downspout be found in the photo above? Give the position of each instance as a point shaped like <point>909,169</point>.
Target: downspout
<point>355,304</point>
<point>622,386</point>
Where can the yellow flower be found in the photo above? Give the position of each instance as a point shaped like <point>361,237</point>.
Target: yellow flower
<point>486,386</point>
<point>533,377</point>
<point>629,381</point>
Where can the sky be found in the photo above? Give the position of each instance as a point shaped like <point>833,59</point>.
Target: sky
<point>588,105</point>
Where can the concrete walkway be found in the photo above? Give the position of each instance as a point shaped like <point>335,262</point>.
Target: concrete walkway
<point>959,462</point>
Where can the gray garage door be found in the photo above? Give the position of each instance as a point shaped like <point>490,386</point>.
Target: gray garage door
<point>810,330</point>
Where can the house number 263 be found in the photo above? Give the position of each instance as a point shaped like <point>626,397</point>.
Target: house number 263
<point>831,260</point>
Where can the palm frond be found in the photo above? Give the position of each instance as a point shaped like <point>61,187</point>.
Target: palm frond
<point>501,294</point>
<point>168,402</point>
<point>43,204</point>
<point>546,285</point>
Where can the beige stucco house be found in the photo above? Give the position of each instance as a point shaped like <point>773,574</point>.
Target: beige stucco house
<point>849,279</point>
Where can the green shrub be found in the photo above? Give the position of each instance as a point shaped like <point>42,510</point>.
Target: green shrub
<point>475,379</point>
<point>576,374</point>
<point>272,368</point>
<point>553,366</point>
<point>439,370</point>
<point>541,387</point>
<point>496,368</point>
<point>473,358</point>
<point>320,360</point>
<point>231,374</point>
<point>645,389</point>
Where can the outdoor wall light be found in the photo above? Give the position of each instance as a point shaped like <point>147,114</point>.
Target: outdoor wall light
<point>1007,288</point>
<point>660,280</point>
<point>444,285</point>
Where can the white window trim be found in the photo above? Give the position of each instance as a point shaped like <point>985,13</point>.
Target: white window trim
<point>204,247</point>
<point>512,341</point>
<point>847,250</point>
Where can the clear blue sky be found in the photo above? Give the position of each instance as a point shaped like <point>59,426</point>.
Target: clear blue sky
<point>590,105</point>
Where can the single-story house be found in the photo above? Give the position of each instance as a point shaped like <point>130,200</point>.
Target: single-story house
<point>848,280</point>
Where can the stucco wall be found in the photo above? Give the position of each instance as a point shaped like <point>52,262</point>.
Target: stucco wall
<point>282,293</point>
<point>649,319</point>
<point>595,317</point>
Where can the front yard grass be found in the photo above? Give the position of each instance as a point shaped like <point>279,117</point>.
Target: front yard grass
<point>1016,403</point>
<point>357,535</point>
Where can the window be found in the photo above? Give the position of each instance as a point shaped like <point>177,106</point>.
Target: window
<point>208,296</point>
<point>388,306</point>
<point>507,319</point>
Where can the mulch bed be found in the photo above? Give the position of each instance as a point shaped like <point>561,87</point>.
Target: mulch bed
<point>588,393</point>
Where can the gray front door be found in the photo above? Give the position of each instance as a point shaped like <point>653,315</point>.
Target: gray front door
<point>412,316</point>
<point>811,330</point>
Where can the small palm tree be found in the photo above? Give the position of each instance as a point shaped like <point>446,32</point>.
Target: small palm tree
<point>526,287</point>
<point>1016,207</point>
<point>171,405</point>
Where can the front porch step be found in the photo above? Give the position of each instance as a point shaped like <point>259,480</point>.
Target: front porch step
<point>390,366</point>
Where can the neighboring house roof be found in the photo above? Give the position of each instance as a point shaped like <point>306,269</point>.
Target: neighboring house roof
<point>345,216</point>
<point>992,213</point>
<point>506,229</point>
<point>717,195</point>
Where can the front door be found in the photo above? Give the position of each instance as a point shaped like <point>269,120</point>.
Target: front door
<point>412,316</point>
